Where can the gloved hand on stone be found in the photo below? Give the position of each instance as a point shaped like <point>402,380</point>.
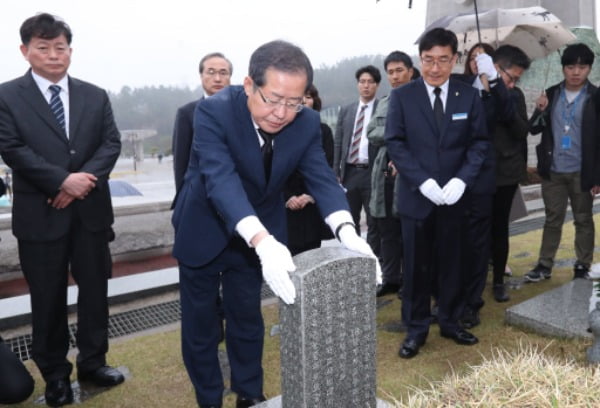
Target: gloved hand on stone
<point>350,240</point>
<point>276,262</point>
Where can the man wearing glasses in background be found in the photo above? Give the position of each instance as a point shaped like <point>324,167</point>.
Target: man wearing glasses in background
<point>230,218</point>
<point>215,74</point>
<point>436,136</point>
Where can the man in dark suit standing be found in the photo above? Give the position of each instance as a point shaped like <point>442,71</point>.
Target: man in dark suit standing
<point>436,135</point>
<point>353,155</point>
<point>230,221</point>
<point>215,74</point>
<point>58,135</point>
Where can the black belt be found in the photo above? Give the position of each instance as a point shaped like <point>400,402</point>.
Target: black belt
<point>358,165</point>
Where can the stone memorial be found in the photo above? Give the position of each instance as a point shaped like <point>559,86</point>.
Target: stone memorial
<point>328,336</point>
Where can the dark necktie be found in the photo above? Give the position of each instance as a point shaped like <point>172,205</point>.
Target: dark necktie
<point>355,142</point>
<point>267,151</point>
<point>438,108</point>
<point>56,105</point>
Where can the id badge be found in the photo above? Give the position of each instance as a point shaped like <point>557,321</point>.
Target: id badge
<point>565,142</point>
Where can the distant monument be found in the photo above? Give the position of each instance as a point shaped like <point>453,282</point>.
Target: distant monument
<point>328,341</point>
<point>135,137</point>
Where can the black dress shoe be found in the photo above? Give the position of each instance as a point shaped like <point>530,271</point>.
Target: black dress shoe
<point>410,348</point>
<point>59,392</point>
<point>102,377</point>
<point>210,406</point>
<point>386,289</point>
<point>242,402</point>
<point>470,318</point>
<point>499,291</point>
<point>461,336</point>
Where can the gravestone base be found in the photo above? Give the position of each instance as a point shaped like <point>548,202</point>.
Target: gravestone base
<point>561,312</point>
<point>276,403</point>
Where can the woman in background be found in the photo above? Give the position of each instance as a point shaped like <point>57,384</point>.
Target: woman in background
<point>306,228</point>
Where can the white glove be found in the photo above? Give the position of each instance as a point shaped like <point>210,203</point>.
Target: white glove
<point>432,191</point>
<point>276,262</point>
<point>453,190</point>
<point>485,65</point>
<point>353,242</point>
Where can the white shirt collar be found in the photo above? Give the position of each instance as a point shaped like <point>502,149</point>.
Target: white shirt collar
<point>44,83</point>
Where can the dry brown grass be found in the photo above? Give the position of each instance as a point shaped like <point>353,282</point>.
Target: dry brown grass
<point>523,377</point>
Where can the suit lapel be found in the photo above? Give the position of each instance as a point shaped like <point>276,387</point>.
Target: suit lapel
<point>76,106</point>
<point>451,104</point>
<point>31,95</point>
<point>248,143</point>
<point>424,103</point>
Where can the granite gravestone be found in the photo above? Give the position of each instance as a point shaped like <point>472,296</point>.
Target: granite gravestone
<point>328,335</point>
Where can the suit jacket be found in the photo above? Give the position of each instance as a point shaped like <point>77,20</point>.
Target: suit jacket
<point>344,130</point>
<point>420,151</point>
<point>225,180</point>
<point>183,132</point>
<point>41,157</point>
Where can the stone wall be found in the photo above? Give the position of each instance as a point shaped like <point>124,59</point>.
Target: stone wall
<point>140,230</point>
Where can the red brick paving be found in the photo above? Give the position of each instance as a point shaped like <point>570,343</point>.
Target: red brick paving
<point>16,287</point>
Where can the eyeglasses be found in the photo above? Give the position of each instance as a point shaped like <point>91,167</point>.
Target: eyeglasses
<point>366,82</point>
<point>442,62</point>
<point>296,107</point>
<point>510,77</point>
<point>221,72</point>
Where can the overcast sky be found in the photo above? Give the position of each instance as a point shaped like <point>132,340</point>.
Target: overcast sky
<point>138,43</point>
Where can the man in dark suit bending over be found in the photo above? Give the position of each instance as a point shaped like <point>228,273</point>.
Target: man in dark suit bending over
<point>230,220</point>
<point>58,136</point>
<point>436,135</point>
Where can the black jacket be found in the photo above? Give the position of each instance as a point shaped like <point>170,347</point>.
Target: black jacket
<point>541,121</point>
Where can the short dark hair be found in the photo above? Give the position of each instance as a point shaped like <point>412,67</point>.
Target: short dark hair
<point>371,70</point>
<point>46,26</point>
<point>489,50</point>
<point>314,94</point>
<point>507,56</point>
<point>214,55</point>
<point>281,56</point>
<point>577,54</point>
<point>416,73</point>
<point>398,56</point>
<point>438,37</point>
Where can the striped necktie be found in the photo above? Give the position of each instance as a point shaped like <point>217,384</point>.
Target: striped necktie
<point>358,128</point>
<point>56,105</point>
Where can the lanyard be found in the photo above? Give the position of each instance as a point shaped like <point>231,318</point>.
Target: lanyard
<point>568,114</point>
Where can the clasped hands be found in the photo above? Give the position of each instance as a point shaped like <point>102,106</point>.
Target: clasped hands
<point>449,195</point>
<point>298,202</point>
<point>75,186</point>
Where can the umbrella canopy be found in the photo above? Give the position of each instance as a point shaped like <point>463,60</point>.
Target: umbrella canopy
<point>120,188</point>
<point>535,30</point>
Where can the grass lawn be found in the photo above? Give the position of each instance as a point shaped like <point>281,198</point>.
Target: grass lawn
<point>158,377</point>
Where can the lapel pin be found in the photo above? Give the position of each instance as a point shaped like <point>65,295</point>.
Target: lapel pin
<point>457,93</point>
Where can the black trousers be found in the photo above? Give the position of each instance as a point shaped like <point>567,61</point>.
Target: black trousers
<point>502,204</point>
<point>477,247</point>
<point>390,231</point>
<point>46,266</point>
<point>16,384</point>
<point>432,256</point>
<point>357,182</point>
